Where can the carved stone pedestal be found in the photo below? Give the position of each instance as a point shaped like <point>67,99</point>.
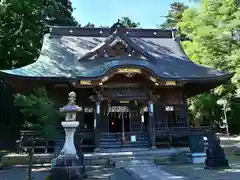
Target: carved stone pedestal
<point>68,167</point>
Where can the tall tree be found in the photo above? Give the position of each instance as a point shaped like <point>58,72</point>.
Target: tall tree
<point>214,28</point>
<point>59,12</point>
<point>127,22</point>
<point>22,24</point>
<point>174,15</point>
<point>89,25</point>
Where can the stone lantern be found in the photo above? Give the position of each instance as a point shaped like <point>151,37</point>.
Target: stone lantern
<point>68,165</point>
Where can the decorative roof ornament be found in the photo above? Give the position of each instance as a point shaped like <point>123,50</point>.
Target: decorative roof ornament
<point>118,27</point>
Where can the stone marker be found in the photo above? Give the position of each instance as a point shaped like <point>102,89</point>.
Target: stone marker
<point>215,154</point>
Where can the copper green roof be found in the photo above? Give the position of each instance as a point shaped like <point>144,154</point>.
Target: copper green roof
<point>66,53</point>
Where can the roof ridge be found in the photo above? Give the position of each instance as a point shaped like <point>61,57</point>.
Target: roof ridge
<point>105,32</point>
<point>112,38</point>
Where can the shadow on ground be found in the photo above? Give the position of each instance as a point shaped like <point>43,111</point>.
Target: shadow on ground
<point>198,172</point>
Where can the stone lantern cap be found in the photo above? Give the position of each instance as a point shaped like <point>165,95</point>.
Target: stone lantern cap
<point>71,106</point>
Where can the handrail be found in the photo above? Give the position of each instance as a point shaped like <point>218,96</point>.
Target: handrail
<point>26,134</point>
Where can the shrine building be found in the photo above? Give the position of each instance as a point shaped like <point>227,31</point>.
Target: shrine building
<point>133,84</point>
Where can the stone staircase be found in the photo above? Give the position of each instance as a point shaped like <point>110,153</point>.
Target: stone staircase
<point>114,140</point>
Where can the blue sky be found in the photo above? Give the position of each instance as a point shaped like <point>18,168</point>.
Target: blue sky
<point>107,12</point>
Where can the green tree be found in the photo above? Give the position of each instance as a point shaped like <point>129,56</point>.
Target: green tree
<point>203,110</point>
<point>40,115</point>
<point>213,29</point>
<point>22,25</point>
<point>89,25</point>
<point>127,22</point>
<point>58,12</point>
<point>174,15</point>
<point>39,112</point>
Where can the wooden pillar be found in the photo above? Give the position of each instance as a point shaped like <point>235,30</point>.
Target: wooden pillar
<point>186,123</point>
<point>97,126</point>
<point>151,124</point>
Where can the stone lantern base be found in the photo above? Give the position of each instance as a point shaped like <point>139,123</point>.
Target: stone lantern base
<point>68,167</point>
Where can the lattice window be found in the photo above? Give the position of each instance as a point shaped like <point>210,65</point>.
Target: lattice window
<point>180,115</point>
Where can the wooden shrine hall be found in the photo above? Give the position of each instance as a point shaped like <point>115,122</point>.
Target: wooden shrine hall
<point>132,83</point>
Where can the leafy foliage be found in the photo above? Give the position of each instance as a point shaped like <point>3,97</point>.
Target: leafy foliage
<point>127,22</point>
<point>212,28</point>
<point>22,27</point>
<point>204,110</point>
<point>174,15</point>
<point>39,112</point>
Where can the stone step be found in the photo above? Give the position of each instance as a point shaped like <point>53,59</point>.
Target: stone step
<point>97,161</point>
<point>129,158</point>
<point>90,168</point>
<point>118,139</point>
<point>129,143</point>
<point>138,134</point>
<point>99,173</point>
<point>124,145</point>
<point>109,139</point>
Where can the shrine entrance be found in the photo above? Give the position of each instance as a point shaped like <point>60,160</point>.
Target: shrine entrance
<point>124,119</point>
<point>119,122</point>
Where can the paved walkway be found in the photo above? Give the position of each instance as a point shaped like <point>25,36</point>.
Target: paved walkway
<point>147,170</point>
<point>197,172</point>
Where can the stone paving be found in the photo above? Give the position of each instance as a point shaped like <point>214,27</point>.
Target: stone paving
<point>146,170</point>
<point>197,172</point>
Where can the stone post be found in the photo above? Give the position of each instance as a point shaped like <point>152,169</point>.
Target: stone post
<point>96,126</point>
<point>68,165</point>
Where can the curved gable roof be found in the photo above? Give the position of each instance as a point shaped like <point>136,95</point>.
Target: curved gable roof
<point>66,50</point>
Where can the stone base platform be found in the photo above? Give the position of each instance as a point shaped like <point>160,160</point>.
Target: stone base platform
<point>11,160</point>
<point>68,167</point>
<point>216,164</point>
<point>197,158</point>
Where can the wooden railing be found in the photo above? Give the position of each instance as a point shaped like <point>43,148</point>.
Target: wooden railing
<point>181,131</point>
<point>178,135</point>
<point>29,139</point>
